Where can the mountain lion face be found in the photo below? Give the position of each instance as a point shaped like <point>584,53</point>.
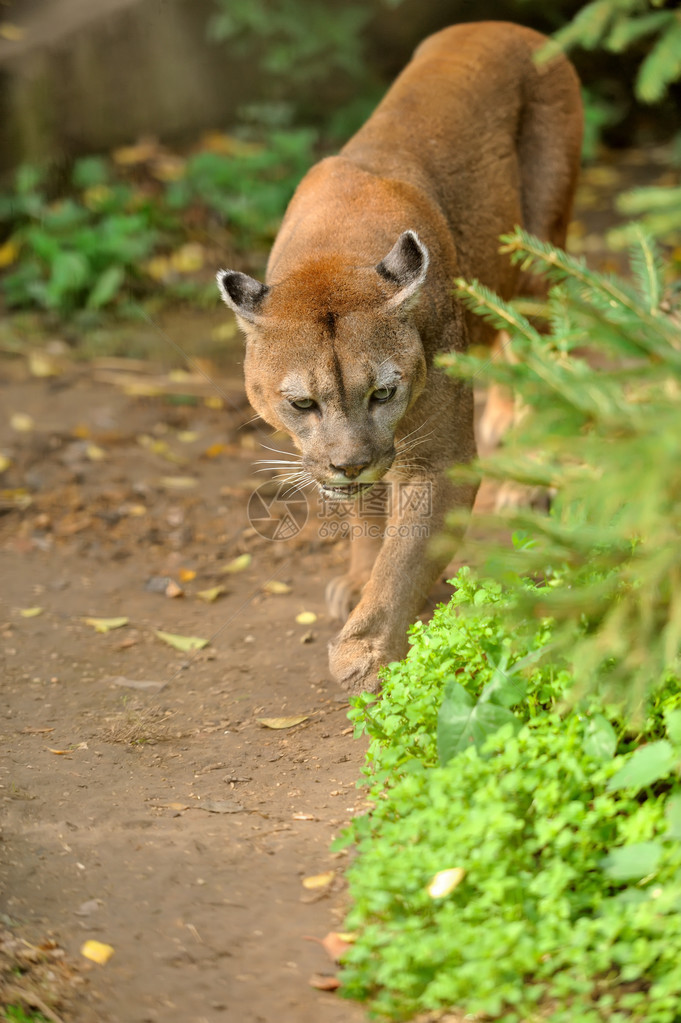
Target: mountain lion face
<point>333,359</point>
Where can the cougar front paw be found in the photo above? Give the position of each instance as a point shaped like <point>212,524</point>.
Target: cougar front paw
<point>342,595</point>
<point>355,660</point>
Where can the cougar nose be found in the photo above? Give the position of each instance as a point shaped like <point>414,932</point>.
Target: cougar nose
<point>351,471</point>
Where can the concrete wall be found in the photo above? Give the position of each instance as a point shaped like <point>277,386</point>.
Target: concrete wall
<point>87,75</point>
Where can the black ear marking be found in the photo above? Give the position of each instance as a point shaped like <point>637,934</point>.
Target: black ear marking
<point>242,293</point>
<point>405,266</point>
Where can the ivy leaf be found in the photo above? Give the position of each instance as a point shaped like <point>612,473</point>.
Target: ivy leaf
<point>632,862</point>
<point>672,720</point>
<point>646,765</point>
<point>672,812</point>
<point>600,740</point>
<point>462,722</point>
<point>106,286</point>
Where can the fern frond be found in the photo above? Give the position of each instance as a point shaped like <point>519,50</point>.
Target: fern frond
<point>646,266</point>
<point>588,26</point>
<point>662,66</point>
<point>648,200</point>
<point>628,30</point>
<point>531,253</point>
<point>494,310</point>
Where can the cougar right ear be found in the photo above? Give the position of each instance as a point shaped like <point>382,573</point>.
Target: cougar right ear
<point>405,267</point>
<point>242,293</point>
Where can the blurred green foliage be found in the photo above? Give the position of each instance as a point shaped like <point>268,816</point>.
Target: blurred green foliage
<point>532,872</point>
<point>607,441</point>
<point>120,226</point>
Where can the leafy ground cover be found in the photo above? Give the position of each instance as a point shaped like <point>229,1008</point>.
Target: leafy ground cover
<point>117,229</point>
<point>522,859</point>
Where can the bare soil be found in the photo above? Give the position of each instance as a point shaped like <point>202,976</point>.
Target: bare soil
<point>144,805</point>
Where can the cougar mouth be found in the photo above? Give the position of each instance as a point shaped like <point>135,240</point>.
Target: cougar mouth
<point>345,491</point>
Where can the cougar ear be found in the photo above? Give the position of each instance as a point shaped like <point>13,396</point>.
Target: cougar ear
<point>405,267</point>
<point>242,293</point>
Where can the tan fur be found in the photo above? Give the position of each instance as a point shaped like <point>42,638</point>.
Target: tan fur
<point>471,139</point>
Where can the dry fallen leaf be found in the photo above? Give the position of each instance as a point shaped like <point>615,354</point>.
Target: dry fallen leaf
<point>95,453</point>
<point>5,462</point>
<point>178,482</point>
<point>335,944</point>
<point>276,586</point>
<point>237,564</point>
<point>282,722</point>
<point>21,422</point>
<point>59,752</point>
<point>208,596</point>
<point>9,253</point>
<point>306,618</point>
<point>302,817</point>
<point>215,450</point>
<point>44,364</point>
<point>11,32</point>
<point>97,951</point>
<point>106,624</point>
<point>133,683</point>
<point>219,806</point>
<point>445,881</point>
<point>324,982</point>
<point>186,575</point>
<point>319,880</point>
<point>30,612</point>
<point>173,590</point>
<point>184,643</point>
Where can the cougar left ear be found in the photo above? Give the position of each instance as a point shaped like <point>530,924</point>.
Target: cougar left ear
<point>405,267</point>
<point>242,293</point>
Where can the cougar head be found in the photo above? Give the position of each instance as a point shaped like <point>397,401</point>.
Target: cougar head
<point>333,358</point>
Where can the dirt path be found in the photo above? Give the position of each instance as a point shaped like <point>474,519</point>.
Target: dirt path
<point>112,838</point>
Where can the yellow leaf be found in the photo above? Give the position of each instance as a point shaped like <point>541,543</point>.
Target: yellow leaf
<point>30,612</point>
<point>186,575</point>
<point>96,195</point>
<point>158,267</point>
<point>21,422</point>
<point>12,33</point>
<point>168,168</point>
<point>43,364</point>
<point>145,150</point>
<point>187,436</point>
<point>445,881</point>
<point>214,450</point>
<point>97,951</point>
<point>208,596</point>
<point>276,586</point>
<point>306,618</point>
<point>184,643</point>
<point>237,564</point>
<point>9,253</point>
<point>188,259</point>
<point>5,462</point>
<point>106,624</point>
<point>59,752</point>
<point>178,482</point>
<point>282,722</point>
<point>225,331</point>
<point>213,401</point>
<point>95,453</point>
<point>319,880</point>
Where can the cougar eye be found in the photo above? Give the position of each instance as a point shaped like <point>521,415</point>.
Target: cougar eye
<point>303,404</point>
<point>382,394</point>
